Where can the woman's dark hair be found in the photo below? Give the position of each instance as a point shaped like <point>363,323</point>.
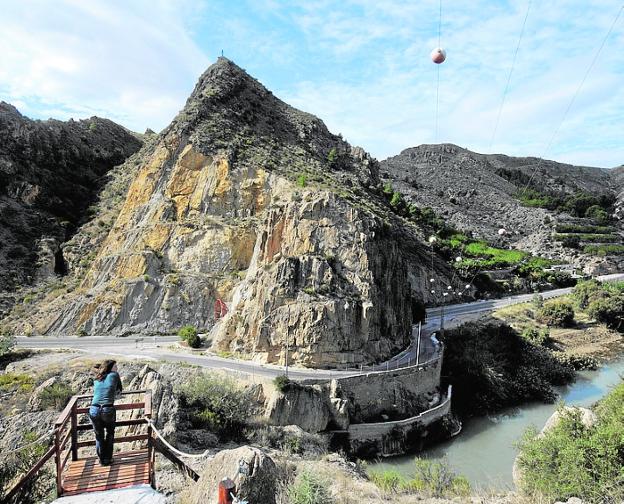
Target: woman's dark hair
<point>102,369</point>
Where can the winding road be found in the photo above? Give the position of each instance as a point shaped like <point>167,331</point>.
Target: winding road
<point>164,348</point>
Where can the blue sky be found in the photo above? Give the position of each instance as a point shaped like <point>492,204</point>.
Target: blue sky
<point>360,65</point>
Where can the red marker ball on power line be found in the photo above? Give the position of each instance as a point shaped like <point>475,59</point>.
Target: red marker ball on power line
<point>438,55</point>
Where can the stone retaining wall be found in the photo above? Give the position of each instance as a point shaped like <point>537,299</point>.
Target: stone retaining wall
<point>393,437</point>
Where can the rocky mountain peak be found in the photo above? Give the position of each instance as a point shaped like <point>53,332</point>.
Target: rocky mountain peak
<point>8,109</point>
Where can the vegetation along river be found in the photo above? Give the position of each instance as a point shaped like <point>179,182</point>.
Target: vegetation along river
<point>484,452</point>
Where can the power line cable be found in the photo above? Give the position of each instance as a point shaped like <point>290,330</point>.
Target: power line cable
<point>513,64</point>
<point>574,96</point>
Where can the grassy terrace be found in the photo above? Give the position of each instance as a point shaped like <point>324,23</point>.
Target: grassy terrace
<point>604,250</point>
<point>578,228</point>
<point>586,237</point>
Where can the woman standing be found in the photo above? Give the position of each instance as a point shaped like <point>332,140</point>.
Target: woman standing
<point>102,411</point>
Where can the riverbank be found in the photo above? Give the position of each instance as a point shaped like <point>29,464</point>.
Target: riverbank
<point>586,337</point>
<point>485,450</point>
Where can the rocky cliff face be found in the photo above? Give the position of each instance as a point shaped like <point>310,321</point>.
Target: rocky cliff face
<point>50,173</point>
<point>245,199</point>
<point>475,192</point>
<point>618,175</point>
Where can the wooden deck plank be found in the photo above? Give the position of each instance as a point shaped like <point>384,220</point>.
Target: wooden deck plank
<point>87,475</point>
<point>88,484</point>
<point>92,462</point>
<point>110,475</point>
<point>103,488</point>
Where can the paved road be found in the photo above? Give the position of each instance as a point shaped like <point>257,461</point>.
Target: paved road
<point>163,348</point>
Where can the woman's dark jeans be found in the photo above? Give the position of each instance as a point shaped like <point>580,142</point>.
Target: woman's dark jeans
<point>103,420</point>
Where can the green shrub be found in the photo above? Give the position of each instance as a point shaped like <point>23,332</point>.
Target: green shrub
<point>332,156</point>
<point>588,291</point>
<point>309,488</point>
<point>189,334</point>
<point>438,480</point>
<point>537,301</point>
<point>574,460</point>
<point>556,314</point>
<point>10,382</point>
<point>431,478</point>
<point>301,180</point>
<point>396,200</point>
<point>56,396</point>
<point>598,214</point>
<point>604,250</point>
<point>534,265</point>
<point>389,481</point>
<point>609,311</point>
<point>538,337</point>
<point>587,237</point>
<point>577,228</point>
<point>216,403</point>
<point>7,344</point>
<point>281,382</point>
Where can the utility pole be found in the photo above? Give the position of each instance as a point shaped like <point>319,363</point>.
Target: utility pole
<point>418,343</point>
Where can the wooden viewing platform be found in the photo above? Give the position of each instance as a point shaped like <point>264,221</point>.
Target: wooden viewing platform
<point>78,473</point>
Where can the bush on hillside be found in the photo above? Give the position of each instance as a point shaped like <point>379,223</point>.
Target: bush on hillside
<point>189,334</point>
<point>431,478</point>
<point>7,344</point>
<point>56,396</point>
<point>598,214</point>
<point>573,460</point>
<point>609,311</point>
<point>538,337</point>
<point>556,314</point>
<point>217,403</point>
<point>310,488</point>
<point>281,382</point>
<point>586,292</point>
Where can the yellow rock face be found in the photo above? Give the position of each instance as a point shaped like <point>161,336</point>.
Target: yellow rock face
<point>187,182</point>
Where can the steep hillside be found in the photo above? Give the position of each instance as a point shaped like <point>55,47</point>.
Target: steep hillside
<point>50,172</point>
<point>527,197</point>
<point>245,199</point>
<point>618,175</point>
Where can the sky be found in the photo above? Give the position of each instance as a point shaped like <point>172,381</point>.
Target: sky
<point>362,66</point>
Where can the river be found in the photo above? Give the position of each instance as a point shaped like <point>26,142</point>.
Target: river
<point>484,452</point>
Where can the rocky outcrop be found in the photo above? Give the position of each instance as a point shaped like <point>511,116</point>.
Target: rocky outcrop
<point>258,483</point>
<point>50,173</point>
<point>247,200</point>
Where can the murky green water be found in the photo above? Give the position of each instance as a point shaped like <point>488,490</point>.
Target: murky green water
<point>484,451</point>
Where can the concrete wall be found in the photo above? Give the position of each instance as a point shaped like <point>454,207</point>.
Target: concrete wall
<point>400,392</point>
<point>396,437</point>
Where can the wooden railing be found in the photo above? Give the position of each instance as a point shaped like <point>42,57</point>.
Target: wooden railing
<point>67,443</point>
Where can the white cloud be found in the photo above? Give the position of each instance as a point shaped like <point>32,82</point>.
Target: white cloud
<point>134,62</point>
<point>395,109</point>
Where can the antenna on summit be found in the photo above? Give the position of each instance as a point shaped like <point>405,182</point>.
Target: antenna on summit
<point>222,53</point>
